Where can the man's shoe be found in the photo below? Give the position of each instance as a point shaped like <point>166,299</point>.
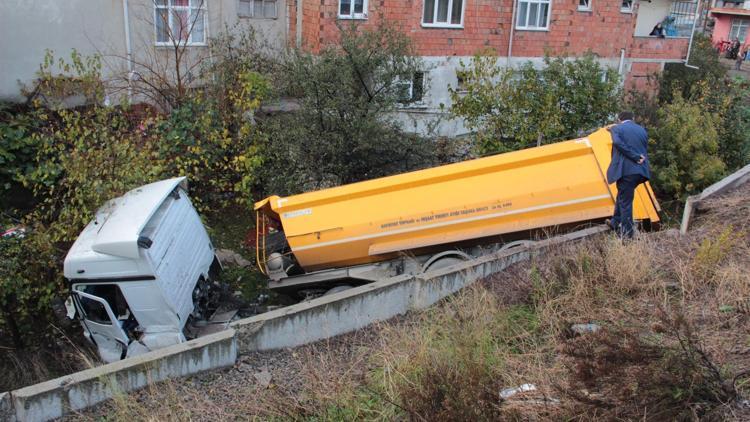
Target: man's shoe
<point>612,225</point>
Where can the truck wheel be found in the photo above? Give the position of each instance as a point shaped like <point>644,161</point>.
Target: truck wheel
<point>516,244</point>
<point>444,259</point>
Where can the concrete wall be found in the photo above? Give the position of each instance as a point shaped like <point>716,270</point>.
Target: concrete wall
<point>27,28</point>
<point>724,185</point>
<point>55,398</point>
<point>358,307</point>
<point>7,412</point>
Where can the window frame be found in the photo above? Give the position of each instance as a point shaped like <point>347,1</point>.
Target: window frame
<point>252,15</point>
<point>587,7</point>
<point>533,28</point>
<point>447,24</point>
<point>628,9</point>
<point>170,8</point>
<point>352,15</point>
<point>740,24</point>
<point>410,101</point>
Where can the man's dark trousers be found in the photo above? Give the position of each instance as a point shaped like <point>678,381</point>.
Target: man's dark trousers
<point>622,220</point>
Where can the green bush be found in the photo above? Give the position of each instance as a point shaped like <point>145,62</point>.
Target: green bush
<point>344,131</point>
<point>685,148</point>
<point>17,148</point>
<point>85,158</point>
<point>28,284</point>
<point>517,108</point>
<point>699,124</point>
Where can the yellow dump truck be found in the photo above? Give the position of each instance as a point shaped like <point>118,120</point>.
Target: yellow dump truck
<point>424,219</point>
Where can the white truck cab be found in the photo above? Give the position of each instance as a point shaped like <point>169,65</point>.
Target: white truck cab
<point>140,270</point>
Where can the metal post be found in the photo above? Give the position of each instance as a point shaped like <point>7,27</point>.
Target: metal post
<point>692,34</point>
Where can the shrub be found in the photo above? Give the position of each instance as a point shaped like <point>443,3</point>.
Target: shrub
<point>28,284</point>
<point>343,131</point>
<point>685,148</point>
<point>517,108</point>
<point>17,148</point>
<point>85,158</point>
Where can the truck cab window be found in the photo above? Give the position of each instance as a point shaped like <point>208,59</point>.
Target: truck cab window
<point>95,311</point>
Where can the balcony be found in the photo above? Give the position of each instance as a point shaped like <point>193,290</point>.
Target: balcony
<point>676,17</point>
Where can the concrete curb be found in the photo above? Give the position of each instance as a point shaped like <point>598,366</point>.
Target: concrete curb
<point>730,182</point>
<point>355,308</point>
<point>53,399</point>
<point>7,412</point>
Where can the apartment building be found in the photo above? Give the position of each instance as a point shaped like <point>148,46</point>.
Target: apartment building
<point>447,32</point>
<point>444,33</point>
<point>731,21</point>
<point>144,31</point>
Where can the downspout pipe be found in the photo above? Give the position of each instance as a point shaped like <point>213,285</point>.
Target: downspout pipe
<point>512,28</point>
<point>128,49</point>
<point>692,35</point>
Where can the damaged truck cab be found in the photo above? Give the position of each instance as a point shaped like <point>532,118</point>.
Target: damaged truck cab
<point>141,270</point>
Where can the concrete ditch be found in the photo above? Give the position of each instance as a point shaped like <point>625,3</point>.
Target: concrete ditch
<point>55,398</point>
<point>355,308</point>
<point>292,326</point>
<point>728,183</point>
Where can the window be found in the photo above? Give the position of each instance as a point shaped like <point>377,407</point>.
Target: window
<point>533,14</point>
<point>739,29</point>
<point>411,91</point>
<point>180,21</point>
<point>353,9</point>
<point>261,9</point>
<point>584,5</point>
<point>95,311</point>
<point>443,13</point>
<point>626,6</point>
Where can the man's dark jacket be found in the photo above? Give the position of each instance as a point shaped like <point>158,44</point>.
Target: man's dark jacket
<point>629,142</point>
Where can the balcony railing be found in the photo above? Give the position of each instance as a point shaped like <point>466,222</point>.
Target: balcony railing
<point>675,17</point>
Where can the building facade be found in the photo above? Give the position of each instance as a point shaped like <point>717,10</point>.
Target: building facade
<point>142,30</point>
<point>448,32</point>
<point>444,33</point>
<point>731,21</point>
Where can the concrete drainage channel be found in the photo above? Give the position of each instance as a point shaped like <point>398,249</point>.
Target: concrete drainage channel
<point>292,326</point>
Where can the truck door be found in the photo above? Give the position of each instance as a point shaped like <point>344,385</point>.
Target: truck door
<point>101,323</point>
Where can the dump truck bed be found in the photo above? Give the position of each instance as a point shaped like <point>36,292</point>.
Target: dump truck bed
<point>364,222</point>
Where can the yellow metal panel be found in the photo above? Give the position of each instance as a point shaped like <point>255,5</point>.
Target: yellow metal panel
<point>539,187</point>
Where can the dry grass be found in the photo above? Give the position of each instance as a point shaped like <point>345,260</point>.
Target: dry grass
<point>58,356</point>
<point>673,344</point>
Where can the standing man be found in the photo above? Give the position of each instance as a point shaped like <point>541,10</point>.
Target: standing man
<point>628,169</point>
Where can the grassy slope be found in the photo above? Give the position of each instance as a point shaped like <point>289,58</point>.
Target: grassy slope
<point>674,343</point>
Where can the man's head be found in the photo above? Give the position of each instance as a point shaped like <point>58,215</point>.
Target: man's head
<point>625,115</point>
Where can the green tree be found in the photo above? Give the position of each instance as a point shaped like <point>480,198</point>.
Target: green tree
<point>689,81</point>
<point>516,108</point>
<point>685,148</point>
<point>344,130</point>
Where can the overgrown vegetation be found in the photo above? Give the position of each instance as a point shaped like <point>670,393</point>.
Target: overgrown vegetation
<point>654,329</point>
<point>343,131</point>
<point>699,123</point>
<point>69,149</point>
<point>517,108</point>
